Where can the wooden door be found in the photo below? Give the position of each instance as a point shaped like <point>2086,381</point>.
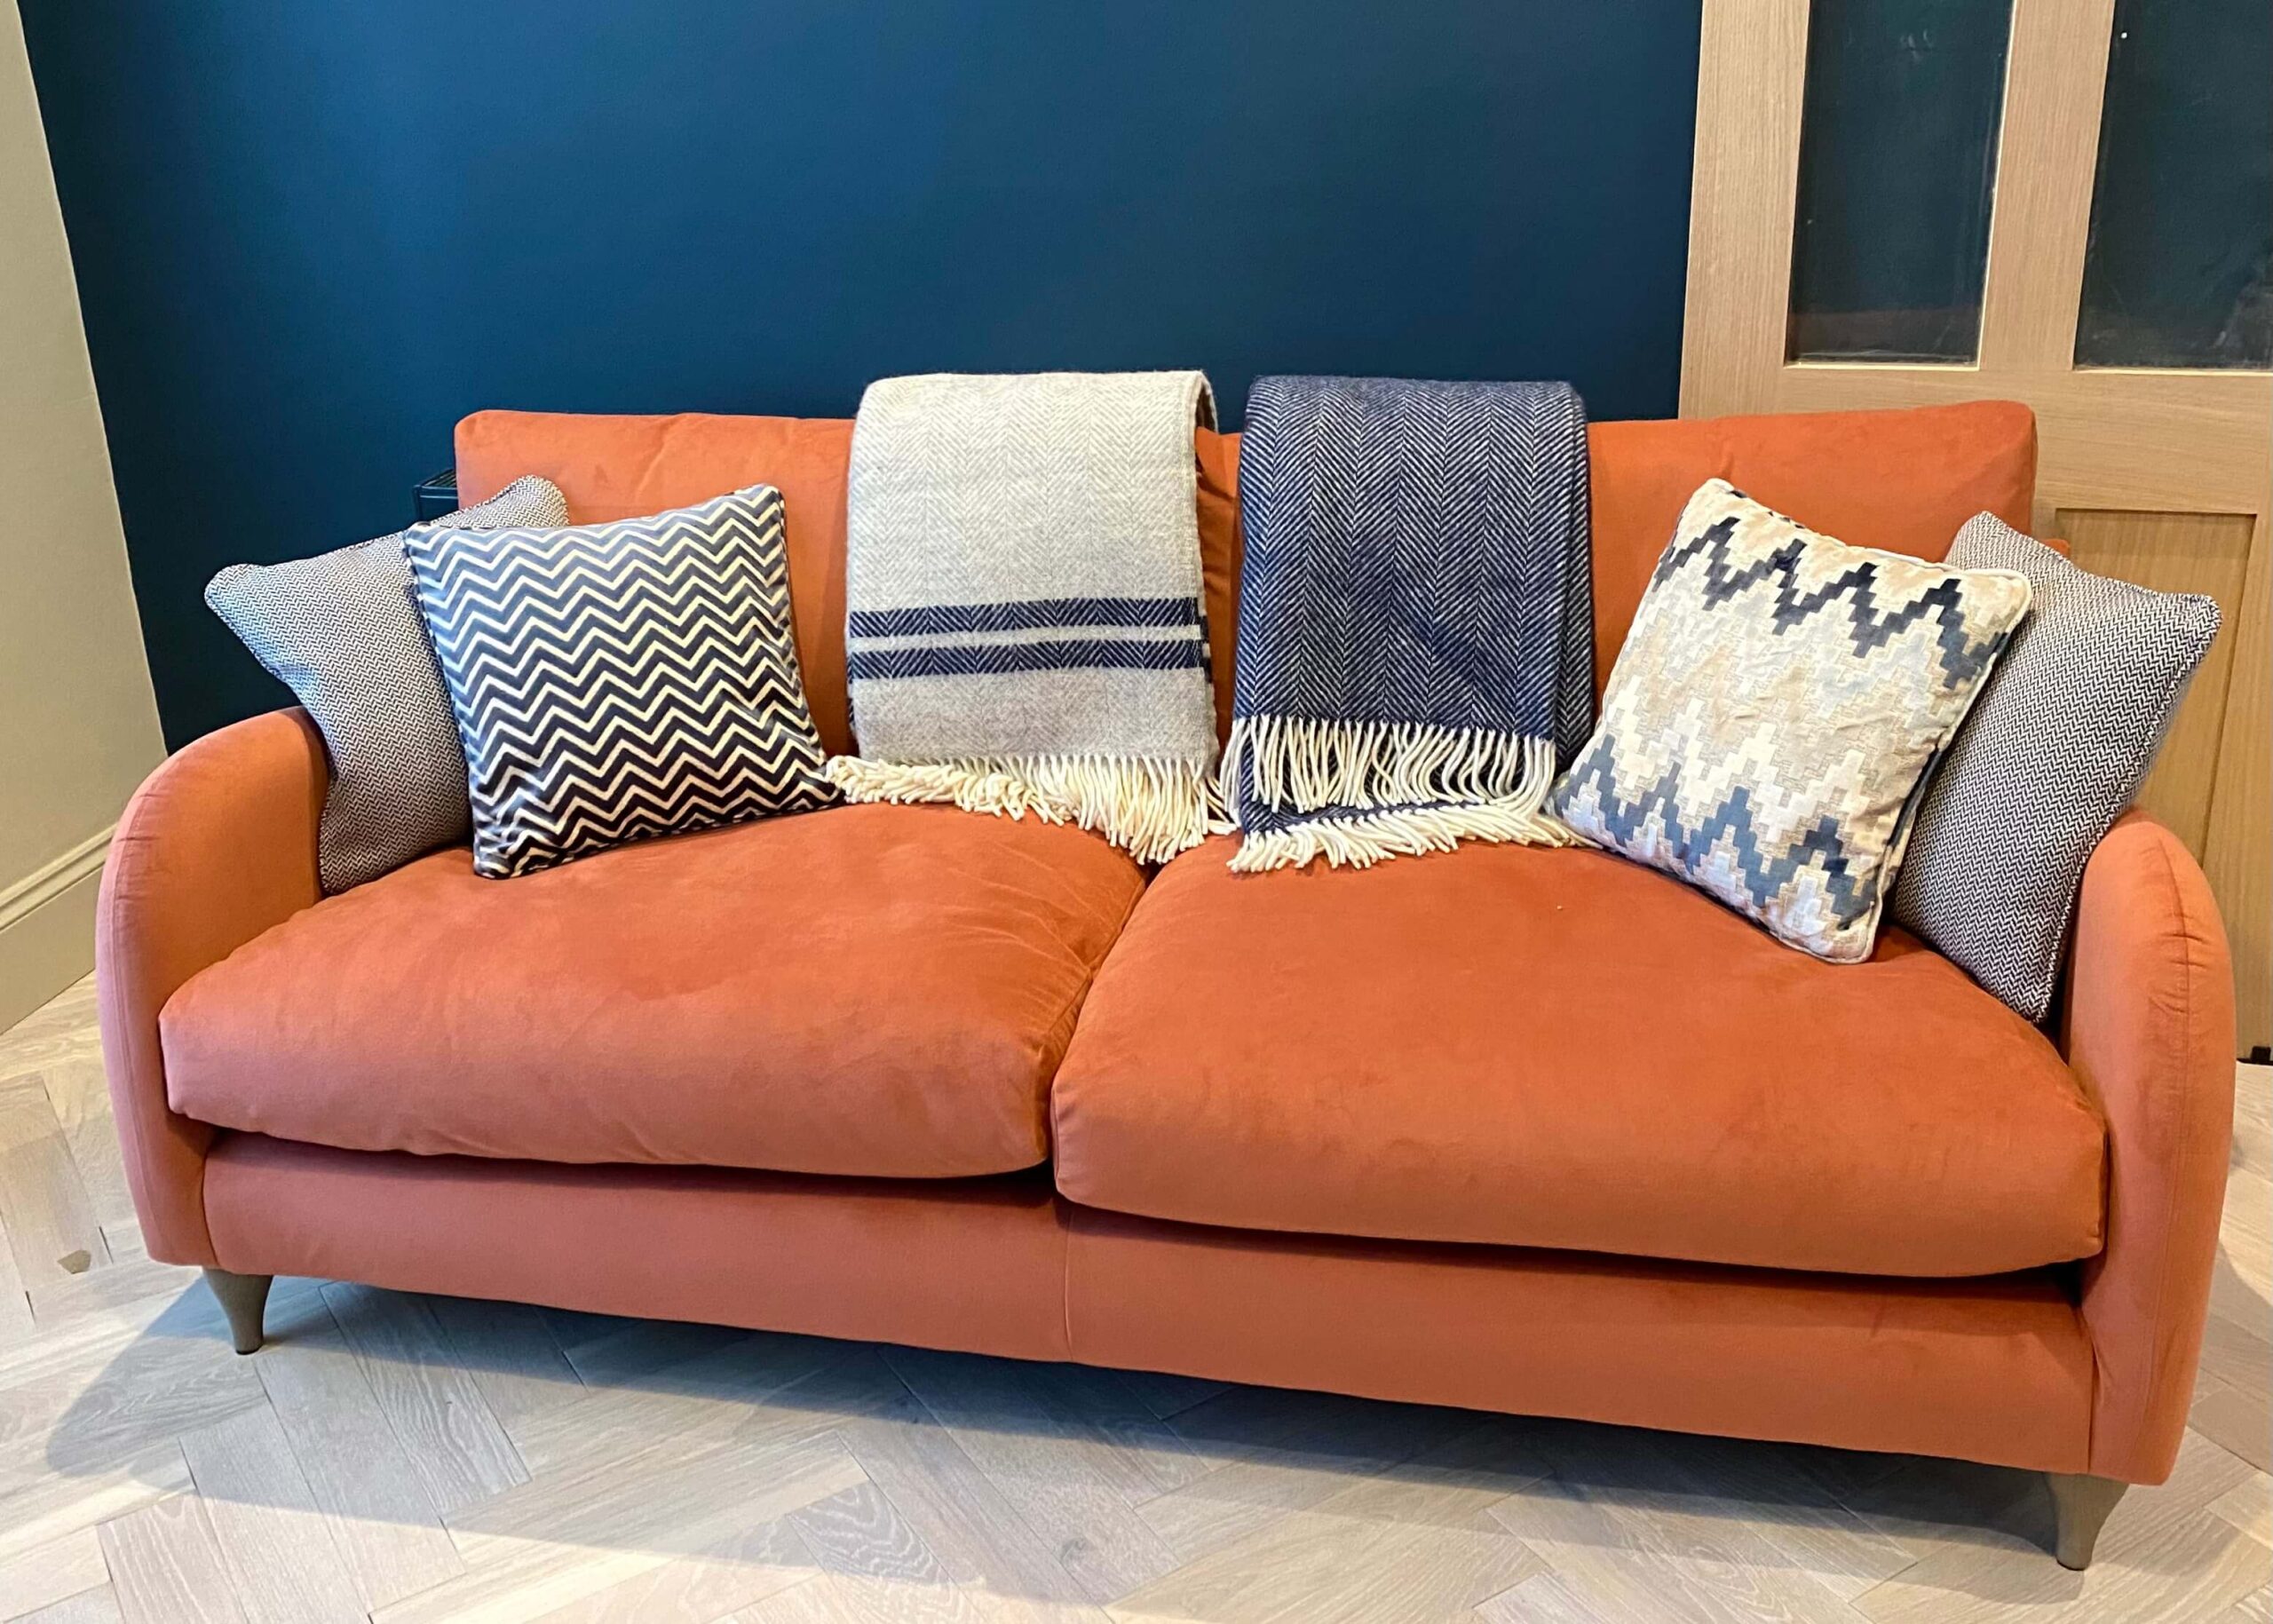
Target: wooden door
<point>2161,473</point>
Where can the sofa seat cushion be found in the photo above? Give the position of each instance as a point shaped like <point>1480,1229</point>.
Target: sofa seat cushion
<point>1541,1047</point>
<point>867,990</point>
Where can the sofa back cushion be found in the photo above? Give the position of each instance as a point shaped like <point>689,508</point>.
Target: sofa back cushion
<point>614,467</point>
<point>1901,480</point>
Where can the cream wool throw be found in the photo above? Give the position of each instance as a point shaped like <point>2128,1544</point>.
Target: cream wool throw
<point>1417,617</point>
<point>1023,630</point>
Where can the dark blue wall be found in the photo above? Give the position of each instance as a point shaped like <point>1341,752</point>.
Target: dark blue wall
<point>309,236</point>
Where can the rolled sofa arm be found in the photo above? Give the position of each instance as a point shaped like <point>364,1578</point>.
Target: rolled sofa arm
<point>2150,1029</point>
<point>218,844</point>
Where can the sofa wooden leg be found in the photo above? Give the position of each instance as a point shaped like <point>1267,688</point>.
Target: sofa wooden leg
<point>2082,1503</point>
<point>244,1298</point>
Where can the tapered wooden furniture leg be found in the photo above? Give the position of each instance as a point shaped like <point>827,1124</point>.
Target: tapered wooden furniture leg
<point>2082,1503</point>
<point>243,1298</point>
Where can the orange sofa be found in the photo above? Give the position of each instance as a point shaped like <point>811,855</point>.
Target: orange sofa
<point>1509,1127</point>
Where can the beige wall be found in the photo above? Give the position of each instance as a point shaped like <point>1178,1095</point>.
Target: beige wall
<point>78,727</point>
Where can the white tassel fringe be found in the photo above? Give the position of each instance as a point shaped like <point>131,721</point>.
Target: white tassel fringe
<point>1151,809</point>
<point>1435,787</point>
<point>1360,841</point>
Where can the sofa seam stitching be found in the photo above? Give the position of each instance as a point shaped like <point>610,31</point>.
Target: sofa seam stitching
<point>2155,1357</point>
<point>2158,1357</point>
<point>1069,1015</point>
<point>1059,1200</point>
<point>109,938</point>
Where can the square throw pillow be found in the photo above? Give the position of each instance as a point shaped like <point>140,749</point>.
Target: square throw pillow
<point>1774,711</point>
<point>342,630</point>
<point>618,681</point>
<point>2064,735</point>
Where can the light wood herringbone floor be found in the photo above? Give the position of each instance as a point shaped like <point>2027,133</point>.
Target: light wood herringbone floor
<point>407,1459</point>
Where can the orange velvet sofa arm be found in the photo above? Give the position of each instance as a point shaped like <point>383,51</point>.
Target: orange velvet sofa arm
<point>2150,1029</point>
<point>218,844</point>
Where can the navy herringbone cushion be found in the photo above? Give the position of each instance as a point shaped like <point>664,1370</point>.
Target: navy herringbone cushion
<point>2064,735</point>
<point>343,631</point>
<point>613,682</point>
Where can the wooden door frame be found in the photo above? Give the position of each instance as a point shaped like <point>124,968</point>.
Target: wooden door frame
<point>2145,439</point>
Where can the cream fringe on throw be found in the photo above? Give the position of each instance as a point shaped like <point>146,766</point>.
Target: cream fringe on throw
<point>1151,809</point>
<point>1397,789</point>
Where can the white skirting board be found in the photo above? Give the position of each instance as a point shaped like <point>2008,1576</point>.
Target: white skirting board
<point>47,928</point>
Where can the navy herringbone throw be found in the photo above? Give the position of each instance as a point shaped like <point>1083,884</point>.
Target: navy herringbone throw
<point>1416,616</point>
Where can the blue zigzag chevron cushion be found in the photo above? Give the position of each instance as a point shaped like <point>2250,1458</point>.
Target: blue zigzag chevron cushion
<point>1775,710</point>
<point>342,632</point>
<point>2061,739</point>
<point>613,682</point>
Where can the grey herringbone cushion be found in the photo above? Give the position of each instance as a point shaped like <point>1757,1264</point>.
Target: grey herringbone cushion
<point>2056,746</point>
<point>343,631</point>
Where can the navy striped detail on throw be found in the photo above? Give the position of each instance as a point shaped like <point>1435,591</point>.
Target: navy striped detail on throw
<point>1038,614</point>
<point>992,659</point>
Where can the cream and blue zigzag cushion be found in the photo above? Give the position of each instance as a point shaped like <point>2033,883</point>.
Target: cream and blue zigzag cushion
<point>616,681</point>
<point>1775,710</point>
